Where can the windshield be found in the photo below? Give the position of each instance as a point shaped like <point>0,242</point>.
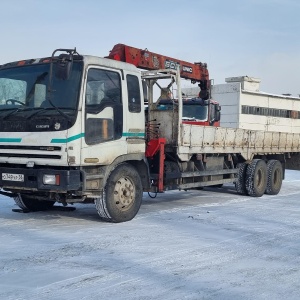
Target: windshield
<point>195,112</point>
<point>26,86</point>
<point>192,112</point>
<point>24,93</point>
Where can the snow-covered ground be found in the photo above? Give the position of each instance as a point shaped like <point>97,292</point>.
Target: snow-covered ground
<point>210,244</point>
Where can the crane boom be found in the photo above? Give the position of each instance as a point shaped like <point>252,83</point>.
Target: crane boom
<point>144,59</point>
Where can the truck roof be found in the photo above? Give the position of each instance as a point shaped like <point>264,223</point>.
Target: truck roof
<point>107,62</point>
<point>88,59</point>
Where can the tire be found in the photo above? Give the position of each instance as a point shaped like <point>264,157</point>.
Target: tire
<point>240,184</point>
<point>199,188</point>
<point>256,178</point>
<point>30,204</point>
<point>122,195</point>
<point>217,185</point>
<point>274,177</point>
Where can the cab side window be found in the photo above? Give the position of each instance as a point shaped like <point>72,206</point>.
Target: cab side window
<point>103,106</point>
<point>134,95</point>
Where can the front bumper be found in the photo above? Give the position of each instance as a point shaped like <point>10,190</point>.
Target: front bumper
<point>32,179</point>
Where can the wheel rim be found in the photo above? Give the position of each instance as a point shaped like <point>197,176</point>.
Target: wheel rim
<point>276,177</point>
<point>259,179</point>
<point>124,193</point>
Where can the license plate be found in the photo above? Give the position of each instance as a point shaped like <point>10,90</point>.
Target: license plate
<point>13,177</point>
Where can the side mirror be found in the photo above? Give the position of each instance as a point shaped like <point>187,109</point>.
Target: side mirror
<point>64,66</point>
<point>217,112</point>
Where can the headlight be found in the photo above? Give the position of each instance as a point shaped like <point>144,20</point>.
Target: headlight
<point>51,179</point>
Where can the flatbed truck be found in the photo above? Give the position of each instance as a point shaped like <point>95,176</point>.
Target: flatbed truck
<point>84,129</point>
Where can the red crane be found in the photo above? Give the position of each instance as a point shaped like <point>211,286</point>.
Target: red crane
<point>196,72</point>
<point>144,59</point>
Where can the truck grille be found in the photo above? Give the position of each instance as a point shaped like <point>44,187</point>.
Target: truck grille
<point>41,148</point>
<point>46,149</point>
<point>30,155</point>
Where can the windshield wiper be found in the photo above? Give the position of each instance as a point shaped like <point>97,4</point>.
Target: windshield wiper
<point>37,111</point>
<point>188,118</point>
<point>42,109</point>
<point>15,111</point>
<point>60,111</point>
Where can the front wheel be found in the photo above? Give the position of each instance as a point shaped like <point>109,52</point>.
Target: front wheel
<point>30,204</point>
<point>122,195</point>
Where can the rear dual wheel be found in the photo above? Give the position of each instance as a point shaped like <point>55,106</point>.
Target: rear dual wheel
<point>275,175</point>
<point>258,178</point>
<point>240,184</point>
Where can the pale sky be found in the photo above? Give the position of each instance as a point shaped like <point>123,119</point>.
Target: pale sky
<point>259,38</point>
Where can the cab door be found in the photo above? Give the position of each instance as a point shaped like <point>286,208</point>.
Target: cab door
<point>135,123</point>
<point>103,121</point>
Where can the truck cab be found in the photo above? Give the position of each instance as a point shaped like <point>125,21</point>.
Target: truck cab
<point>65,123</point>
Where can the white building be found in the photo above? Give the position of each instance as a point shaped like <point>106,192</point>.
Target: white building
<point>245,106</point>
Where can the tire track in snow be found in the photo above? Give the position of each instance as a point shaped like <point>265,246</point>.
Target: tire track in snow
<point>116,277</point>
